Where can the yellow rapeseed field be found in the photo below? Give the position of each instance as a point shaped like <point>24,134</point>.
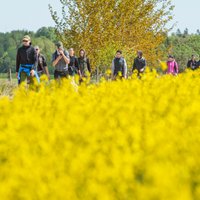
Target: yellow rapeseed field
<point>136,139</point>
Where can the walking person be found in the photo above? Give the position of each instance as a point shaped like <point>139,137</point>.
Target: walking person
<point>74,64</point>
<point>42,64</point>
<point>192,63</point>
<point>172,65</point>
<point>84,64</point>
<point>139,63</point>
<point>119,66</point>
<point>60,60</point>
<point>26,61</point>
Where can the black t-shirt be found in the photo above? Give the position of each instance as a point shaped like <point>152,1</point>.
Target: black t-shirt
<point>139,63</point>
<point>193,64</point>
<point>73,65</point>
<point>74,62</point>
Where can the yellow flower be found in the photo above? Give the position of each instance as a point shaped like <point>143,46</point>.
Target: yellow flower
<point>135,139</point>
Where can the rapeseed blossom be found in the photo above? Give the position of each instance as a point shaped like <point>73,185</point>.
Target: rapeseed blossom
<point>136,139</point>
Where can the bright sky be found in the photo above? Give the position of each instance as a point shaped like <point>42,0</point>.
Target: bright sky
<point>33,14</point>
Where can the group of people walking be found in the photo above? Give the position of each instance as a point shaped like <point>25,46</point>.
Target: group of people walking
<point>66,63</point>
<point>31,63</point>
<point>119,65</point>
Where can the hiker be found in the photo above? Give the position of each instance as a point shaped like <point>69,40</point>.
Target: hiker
<point>42,64</point>
<point>73,65</point>
<point>172,66</point>
<point>192,63</point>
<point>198,64</point>
<point>84,64</point>
<point>119,66</point>
<point>26,61</point>
<point>139,63</point>
<point>60,60</point>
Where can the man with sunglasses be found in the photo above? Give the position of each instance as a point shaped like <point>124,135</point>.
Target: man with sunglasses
<point>26,61</point>
<point>42,64</point>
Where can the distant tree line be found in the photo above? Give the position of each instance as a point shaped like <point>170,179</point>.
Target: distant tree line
<point>45,38</point>
<point>180,44</point>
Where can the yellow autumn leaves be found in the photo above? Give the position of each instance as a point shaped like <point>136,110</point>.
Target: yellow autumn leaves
<point>102,27</point>
<point>130,140</point>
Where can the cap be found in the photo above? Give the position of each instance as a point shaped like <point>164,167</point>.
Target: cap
<point>59,44</point>
<point>27,37</point>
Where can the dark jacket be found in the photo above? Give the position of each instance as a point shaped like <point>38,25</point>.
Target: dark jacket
<point>139,63</point>
<point>192,64</point>
<point>26,56</point>
<point>84,65</point>
<point>119,65</point>
<point>73,65</point>
<point>41,63</point>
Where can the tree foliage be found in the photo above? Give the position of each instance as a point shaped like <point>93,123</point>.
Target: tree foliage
<point>101,27</point>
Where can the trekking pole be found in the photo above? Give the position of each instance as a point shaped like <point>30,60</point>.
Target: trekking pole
<point>37,76</point>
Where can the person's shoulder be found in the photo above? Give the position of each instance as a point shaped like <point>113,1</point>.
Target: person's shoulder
<point>136,58</point>
<point>143,58</point>
<point>66,52</point>
<point>32,48</point>
<point>54,53</point>
<point>20,48</point>
<point>86,59</point>
<point>42,56</point>
<point>123,59</point>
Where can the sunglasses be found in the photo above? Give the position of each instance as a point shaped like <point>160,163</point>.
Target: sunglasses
<point>25,41</point>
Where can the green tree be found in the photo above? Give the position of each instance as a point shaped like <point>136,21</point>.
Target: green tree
<point>48,32</point>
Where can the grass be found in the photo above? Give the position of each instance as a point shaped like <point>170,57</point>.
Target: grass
<point>6,87</point>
